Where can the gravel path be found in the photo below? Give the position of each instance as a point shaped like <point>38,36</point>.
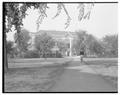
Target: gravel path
<point>82,79</point>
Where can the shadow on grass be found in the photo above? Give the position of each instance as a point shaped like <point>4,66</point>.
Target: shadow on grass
<point>100,66</point>
<point>112,80</point>
<point>36,79</point>
<point>106,63</point>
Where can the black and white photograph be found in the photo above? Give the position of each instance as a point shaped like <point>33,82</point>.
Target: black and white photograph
<point>60,47</point>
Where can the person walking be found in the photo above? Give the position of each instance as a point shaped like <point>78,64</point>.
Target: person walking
<point>81,55</point>
<point>82,49</point>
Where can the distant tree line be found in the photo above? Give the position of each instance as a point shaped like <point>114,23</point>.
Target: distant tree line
<point>43,43</point>
<point>105,47</point>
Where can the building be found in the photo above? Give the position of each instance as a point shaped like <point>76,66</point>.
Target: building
<point>64,36</point>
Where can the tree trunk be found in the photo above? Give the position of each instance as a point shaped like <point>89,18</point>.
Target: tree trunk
<point>5,62</point>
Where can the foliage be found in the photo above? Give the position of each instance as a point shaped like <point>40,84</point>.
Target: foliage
<point>79,42</point>
<point>110,44</point>
<point>82,7</point>
<point>54,55</point>
<point>44,43</point>
<point>9,47</point>
<point>12,50</point>
<point>88,43</point>
<point>14,13</point>
<point>96,48</point>
<point>15,52</point>
<point>94,45</point>
<point>31,54</point>
<point>62,46</point>
<point>23,42</point>
<point>58,54</point>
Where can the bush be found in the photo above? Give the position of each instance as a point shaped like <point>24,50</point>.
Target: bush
<point>53,55</point>
<point>35,54</point>
<point>58,55</point>
<point>31,54</point>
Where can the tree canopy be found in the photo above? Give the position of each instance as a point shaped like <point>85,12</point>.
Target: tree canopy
<point>44,43</point>
<point>23,42</point>
<point>111,44</point>
<point>9,47</point>
<point>16,12</point>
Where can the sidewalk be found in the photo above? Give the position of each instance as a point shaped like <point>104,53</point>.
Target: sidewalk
<point>77,81</point>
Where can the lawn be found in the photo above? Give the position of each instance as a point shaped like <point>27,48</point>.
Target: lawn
<point>106,67</point>
<point>39,75</point>
<point>102,61</point>
<point>34,60</point>
<point>32,79</point>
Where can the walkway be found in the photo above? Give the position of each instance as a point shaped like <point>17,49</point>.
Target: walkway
<point>82,80</point>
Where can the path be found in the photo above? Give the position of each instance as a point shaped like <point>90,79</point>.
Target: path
<point>82,80</point>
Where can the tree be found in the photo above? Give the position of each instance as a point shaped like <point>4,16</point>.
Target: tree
<point>93,45</point>
<point>79,42</point>
<point>44,43</point>
<point>9,47</point>
<point>14,13</point>
<point>31,54</point>
<point>23,42</point>
<point>96,48</point>
<point>12,49</point>
<point>88,43</point>
<point>111,45</point>
<point>62,46</point>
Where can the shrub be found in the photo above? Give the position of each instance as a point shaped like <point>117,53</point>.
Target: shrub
<point>53,55</point>
<point>31,54</point>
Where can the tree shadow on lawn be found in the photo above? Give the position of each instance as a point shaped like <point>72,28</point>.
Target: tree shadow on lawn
<point>106,69</point>
<point>106,63</point>
<point>112,80</point>
<point>36,79</point>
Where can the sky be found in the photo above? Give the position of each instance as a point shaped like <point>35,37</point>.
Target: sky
<point>103,20</point>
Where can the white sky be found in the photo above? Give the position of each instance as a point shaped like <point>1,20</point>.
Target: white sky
<point>103,20</point>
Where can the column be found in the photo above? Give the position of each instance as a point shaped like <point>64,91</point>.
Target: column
<point>70,46</point>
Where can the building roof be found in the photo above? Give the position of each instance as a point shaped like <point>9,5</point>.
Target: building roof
<point>56,34</point>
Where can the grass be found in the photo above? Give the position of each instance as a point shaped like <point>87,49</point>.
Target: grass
<point>108,69</point>
<point>35,79</point>
<point>33,60</point>
<point>106,63</point>
<point>42,78</point>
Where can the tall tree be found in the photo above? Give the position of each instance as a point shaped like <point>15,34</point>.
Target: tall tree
<point>14,13</point>
<point>23,42</point>
<point>111,44</point>
<point>88,43</point>
<point>44,43</point>
<point>93,45</point>
<point>9,47</point>
<point>62,47</point>
<point>79,42</point>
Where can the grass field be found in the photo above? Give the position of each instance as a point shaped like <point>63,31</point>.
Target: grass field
<point>106,67</point>
<point>31,79</point>
<point>34,60</point>
<point>29,75</point>
<point>102,61</point>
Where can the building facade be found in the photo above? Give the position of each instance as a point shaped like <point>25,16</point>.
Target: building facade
<point>65,36</point>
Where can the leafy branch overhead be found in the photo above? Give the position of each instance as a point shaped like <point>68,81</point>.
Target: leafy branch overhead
<point>16,12</point>
<point>42,11</point>
<point>84,12</point>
